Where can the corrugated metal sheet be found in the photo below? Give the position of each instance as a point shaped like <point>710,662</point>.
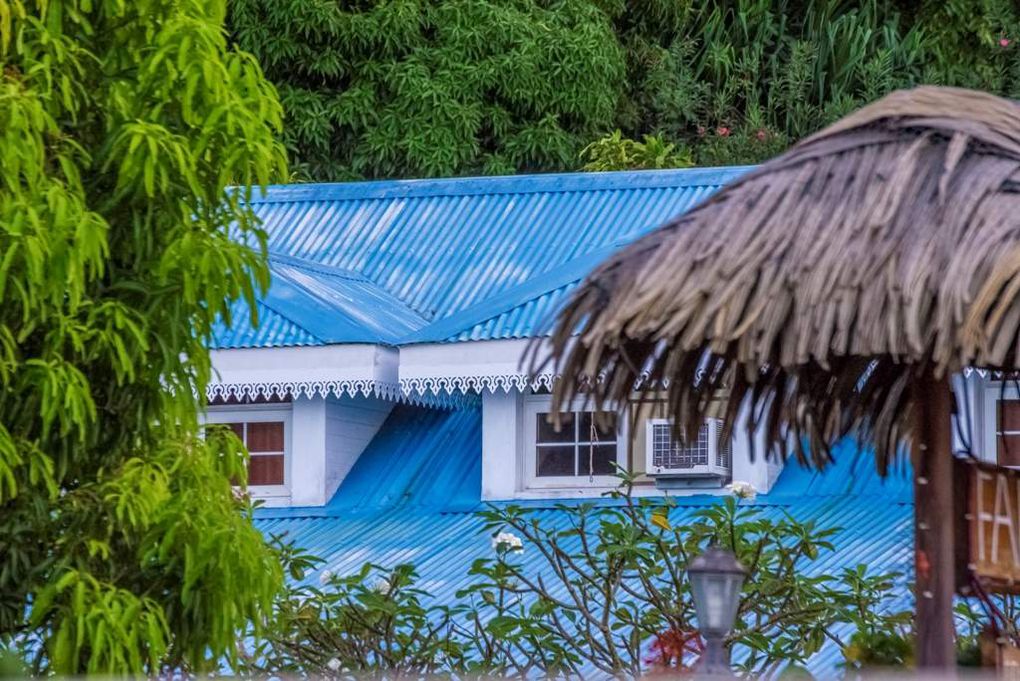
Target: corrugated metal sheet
<point>338,306</point>
<point>273,330</point>
<point>411,498</point>
<point>313,304</point>
<point>528,319</point>
<point>444,246</point>
<point>854,473</point>
<point>418,459</point>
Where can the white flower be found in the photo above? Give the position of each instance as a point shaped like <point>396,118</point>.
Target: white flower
<point>333,664</point>
<point>742,490</point>
<point>507,541</point>
<point>381,585</point>
<point>325,576</point>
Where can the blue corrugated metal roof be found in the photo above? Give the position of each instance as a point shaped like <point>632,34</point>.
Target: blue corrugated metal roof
<point>443,247</point>
<point>417,460</point>
<point>322,305</point>
<point>411,498</point>
<point>273,330</point>
<point>528,319</point>
<point>853,473</point>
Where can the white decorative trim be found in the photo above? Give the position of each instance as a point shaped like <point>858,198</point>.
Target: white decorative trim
<point>336,388</point>
<point>995,375</point>
<point>464,385</point>
<point>494,383</point>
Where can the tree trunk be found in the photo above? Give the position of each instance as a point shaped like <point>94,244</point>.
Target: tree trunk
<point>934,566</point>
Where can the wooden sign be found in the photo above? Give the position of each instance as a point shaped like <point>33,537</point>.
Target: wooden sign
<point>988,529</point>
<point>1008,662</point>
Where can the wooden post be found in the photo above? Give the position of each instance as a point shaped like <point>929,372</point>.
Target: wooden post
<point>934,560</point>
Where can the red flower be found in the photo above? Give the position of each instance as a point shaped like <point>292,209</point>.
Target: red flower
<point>761,135</point>
<point>674,652</point>
<point>1004,42</point>
<point>722,131</point>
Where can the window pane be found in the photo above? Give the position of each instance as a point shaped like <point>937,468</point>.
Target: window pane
<point>265,437</point>
<point>554,460</point>
<point>1008,415</point>
<point>546,432</point>
<point>1009,450</point>
<point>265,469</point>
<point>605,428</point>
<point>597,459</point>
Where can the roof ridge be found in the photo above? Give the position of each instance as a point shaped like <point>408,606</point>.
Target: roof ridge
<point>503,301</point>
<point>500,184</point>
<point>320,268</point>
<point>275,309</point>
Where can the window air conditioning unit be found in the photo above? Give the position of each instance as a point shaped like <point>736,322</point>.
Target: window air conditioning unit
<point>673,464</point>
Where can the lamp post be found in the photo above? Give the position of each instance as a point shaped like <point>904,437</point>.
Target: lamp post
<point>716,578</point>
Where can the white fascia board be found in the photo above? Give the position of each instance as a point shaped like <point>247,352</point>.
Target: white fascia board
<point>353,369</point>
<point>471,366</point>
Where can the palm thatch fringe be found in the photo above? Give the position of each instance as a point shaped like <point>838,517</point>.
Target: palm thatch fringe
<point>822,284</point>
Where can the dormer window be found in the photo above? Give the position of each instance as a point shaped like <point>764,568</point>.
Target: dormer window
<point>584,451</point>
<point>265,431</point>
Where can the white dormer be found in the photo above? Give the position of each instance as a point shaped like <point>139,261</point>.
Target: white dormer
<point>301,448</point>
<point>525,457</point>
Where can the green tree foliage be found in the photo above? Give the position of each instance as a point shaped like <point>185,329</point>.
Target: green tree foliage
<point>122,546</point>
<point>405,88</point>
<point>435,87</point>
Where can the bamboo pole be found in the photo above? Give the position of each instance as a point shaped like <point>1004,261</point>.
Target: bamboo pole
<point>933,527</point>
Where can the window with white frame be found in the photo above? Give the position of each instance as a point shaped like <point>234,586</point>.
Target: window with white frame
<point>1007,432</point>
<point>584,450</point>
<point>265,432</point>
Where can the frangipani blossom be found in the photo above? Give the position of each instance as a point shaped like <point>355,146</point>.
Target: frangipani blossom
<point>507,541</point>
<point>742,490</point>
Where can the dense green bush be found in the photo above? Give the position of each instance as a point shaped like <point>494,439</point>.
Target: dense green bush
<point>402,88</point>
<point>609,592</point>
<point>435,87</point>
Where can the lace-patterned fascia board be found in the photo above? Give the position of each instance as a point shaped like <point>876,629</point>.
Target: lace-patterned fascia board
<point>337,388</point>
<point>473,385</point>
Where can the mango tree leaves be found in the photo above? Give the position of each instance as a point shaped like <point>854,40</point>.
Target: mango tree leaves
<point>123,126</point>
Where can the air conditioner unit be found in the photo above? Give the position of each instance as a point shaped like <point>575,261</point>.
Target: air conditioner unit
<point>673,464</point>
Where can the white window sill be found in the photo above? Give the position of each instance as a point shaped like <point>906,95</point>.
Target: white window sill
<point>263,491</point>
<point>271,495</point>
<point>599,492</point>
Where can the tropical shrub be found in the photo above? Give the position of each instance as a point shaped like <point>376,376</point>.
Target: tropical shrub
<point>610,594</point>
<point>122,547</point>
<point>614,152</point>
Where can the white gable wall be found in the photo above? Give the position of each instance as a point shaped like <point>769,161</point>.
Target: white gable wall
<point>501,444</point>
<point>350,424</point>
<point>325,437</point>
<point>308,452</point>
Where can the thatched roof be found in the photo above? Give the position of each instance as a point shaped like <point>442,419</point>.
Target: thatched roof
<point>833,276</point>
